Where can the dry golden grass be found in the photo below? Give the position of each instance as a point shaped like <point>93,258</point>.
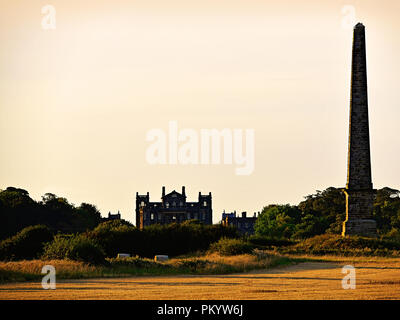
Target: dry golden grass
<point>243,261</point>
<point>376,279</point>
<point>29,270</point>
<point>35,266</point>
<point>238,260</point>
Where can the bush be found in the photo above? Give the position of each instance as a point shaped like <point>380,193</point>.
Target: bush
<point>264,241</point>
<point>78,248</point>
<point>26,244</point>
<point>87,251</point>
<point>173,239</point>
<point>230,247</point>
<point>349,245</point>
<point>134,263</point>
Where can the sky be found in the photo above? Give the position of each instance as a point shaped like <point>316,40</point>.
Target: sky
<point>77,101</point>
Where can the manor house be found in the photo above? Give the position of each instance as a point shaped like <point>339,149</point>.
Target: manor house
<point>173,207</point>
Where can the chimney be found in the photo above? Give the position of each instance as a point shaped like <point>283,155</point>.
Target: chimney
<point>255,214</point>
<point>183,191</point>
<point>163,191</point>
<point>244,213</point>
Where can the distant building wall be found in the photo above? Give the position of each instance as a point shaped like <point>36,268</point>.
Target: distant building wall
<point>111,216</point>
<point>244,224</point>
<point>172,208</point>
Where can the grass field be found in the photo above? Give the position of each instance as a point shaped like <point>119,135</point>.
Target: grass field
<point>19,271</point>
<point>314,278</point>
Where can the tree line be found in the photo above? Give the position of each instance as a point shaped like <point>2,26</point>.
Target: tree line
<point>324,212</point>
<point>18,210</point>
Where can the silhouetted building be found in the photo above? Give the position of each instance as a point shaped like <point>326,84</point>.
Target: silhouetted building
<point>244,224</point>
<point>172,208</point>
<point>116,216</point>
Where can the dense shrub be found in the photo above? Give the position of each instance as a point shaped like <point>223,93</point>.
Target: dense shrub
<point>26,244</point>
<point>78,248</point>
<point>349,245</point>
<point>18,210</point>
<point>230,247</point>
<point>116,237</point>
<point>173,239</point>
<point>194,265</point>
<point>264,241</point>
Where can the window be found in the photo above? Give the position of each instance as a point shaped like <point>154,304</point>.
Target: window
<point>167,204</point>
<point>142,204</point>
<point>174,217</point>
<point>181,204</point>
<point>174,204</point>
<point>205,204</point>
<point>188,216</point>
<point>152,216</point>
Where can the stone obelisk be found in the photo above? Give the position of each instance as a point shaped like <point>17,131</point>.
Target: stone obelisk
<point>359,192</point>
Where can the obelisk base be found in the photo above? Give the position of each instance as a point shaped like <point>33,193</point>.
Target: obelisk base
<point>359,213</point>
<point>360,227</point>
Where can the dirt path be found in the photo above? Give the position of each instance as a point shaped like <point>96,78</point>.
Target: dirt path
<point>310,280</point>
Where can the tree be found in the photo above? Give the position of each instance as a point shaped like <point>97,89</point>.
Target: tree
<point>387,211</point>
<point>322,212</point>
<point>88,215</point>
<point>18,210</point>
<point>277,221</point>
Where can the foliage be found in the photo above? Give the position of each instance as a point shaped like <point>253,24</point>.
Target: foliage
<point>387,212</point>
<point>173,239</point>
<point>264,241</point>
<point>78,248</point>
<point>349,245</point>
<point>26,244</point>
<point>18,210</point>
<point>230,247</point>
<point>324,212</point>
<point>277,221</point>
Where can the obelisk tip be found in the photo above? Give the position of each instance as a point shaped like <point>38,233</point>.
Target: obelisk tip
<point>359,26</point>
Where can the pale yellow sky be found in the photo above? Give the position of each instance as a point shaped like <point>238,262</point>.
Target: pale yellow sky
<point>76,102</point>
